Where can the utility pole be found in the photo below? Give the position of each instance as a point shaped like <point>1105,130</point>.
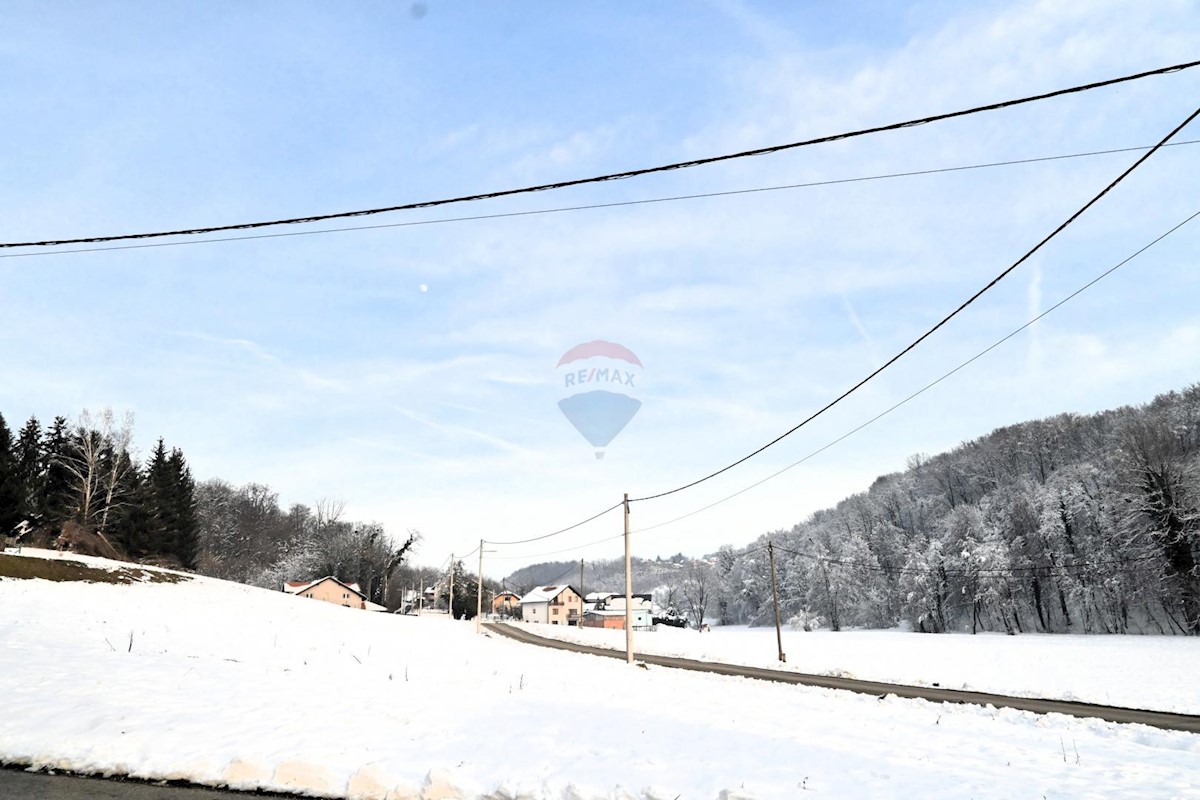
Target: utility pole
<point>775,600</point>
<point>582,594</point>
<point>479,591</point>
<point>451,608</point>
<point>628,590</point>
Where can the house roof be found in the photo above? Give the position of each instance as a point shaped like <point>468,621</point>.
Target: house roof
<point>296,587</point>
<point>606,597</point>
<point>545,594</point>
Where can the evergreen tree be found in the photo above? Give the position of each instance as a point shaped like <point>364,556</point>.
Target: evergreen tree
<point>171,494</point>
<point>155,492</point>
<point>131,525</point>
<point>55,504</point>
<point>10,486</point>
<point>30,466</point>
<point>184,540</point>
<point>465,593</point>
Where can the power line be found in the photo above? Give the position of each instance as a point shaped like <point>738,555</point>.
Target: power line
<point>572,549</point>
<point>597,206</point>
<point>930,385</point>
<point>932,330</point>
<point>851,432</point>
<point>611,508</point>
<point>616,175</point>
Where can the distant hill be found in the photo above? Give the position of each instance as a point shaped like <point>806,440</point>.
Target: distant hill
<point>1074,523</point>
<point>607,575</point>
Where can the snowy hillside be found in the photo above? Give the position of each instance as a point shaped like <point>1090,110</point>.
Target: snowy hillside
<point>229,685</point>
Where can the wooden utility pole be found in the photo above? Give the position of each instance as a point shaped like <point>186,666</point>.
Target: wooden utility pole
<point>451,607</point>
<point>479,591</point>
<point>775,600</point>
<point>583,597</point>
<point>628,590</point>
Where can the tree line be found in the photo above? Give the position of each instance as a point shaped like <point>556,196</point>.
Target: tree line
<point>80,480</point>
<point>1076,523</point>
<point>246,536</point>
<point>79,485</point>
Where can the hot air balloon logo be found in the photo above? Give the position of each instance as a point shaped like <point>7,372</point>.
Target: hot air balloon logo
<point>600,381</point>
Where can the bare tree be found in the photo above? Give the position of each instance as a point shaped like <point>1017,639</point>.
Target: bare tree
<point>698,590</point>
<point>82,461</point>
<point>120,461</point>
<point>1165,505</point>
<point>98,463</point>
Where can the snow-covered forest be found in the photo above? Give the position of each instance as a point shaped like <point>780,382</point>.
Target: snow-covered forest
<point>1077,523</point>
<point>80,485</point>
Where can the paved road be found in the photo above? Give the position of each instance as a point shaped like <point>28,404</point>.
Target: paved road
<point>1157,719</point>
<point>20,785</point>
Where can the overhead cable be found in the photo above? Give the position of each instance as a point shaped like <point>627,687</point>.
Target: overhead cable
<point>927,386</point>
<point>597,206</point>
<point>572,549</point>
<point>615,176</point>
<point>611,508</point>
<point>937,326</point>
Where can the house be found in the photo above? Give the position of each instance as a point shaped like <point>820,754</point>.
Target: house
<point>506,603</point>
<point>599,601</point>
<point>329,589</point>
<point>555,605</point>
<point>607,610</point>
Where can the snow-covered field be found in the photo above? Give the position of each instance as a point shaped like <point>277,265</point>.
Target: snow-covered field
<point>1157,673</point>
<point>229,685</point>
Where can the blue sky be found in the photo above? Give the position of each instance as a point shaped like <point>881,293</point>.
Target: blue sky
<point>318,365</point>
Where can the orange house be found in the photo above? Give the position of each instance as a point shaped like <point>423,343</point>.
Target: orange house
<point>329,589</point>
<point>604,619</point>
<point>506,603</point>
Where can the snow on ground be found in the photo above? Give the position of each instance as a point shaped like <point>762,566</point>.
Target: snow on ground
<point>229,685</point>
<point>1156,673</point>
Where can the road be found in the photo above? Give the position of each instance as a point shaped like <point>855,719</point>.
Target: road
<point>20,785</point>
<point>1156,719</point>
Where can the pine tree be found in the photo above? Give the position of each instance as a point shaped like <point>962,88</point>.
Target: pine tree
<point>171,493</point>
<point>10,486</point>
<point>465,593</point>
<point>30,466</point>
<point>55,504</point>
<point>131,525</point>
<point>156,490</point>
<point>186,527</point>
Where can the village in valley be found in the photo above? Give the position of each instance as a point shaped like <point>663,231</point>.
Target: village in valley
<point>551,605</point>
<point>725,400</point>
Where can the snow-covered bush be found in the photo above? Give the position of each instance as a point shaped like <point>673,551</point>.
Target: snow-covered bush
<point>805,621</point>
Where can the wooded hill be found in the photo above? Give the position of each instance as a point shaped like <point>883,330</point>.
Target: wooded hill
<point>78,485</point>
<point>1084,523</point>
